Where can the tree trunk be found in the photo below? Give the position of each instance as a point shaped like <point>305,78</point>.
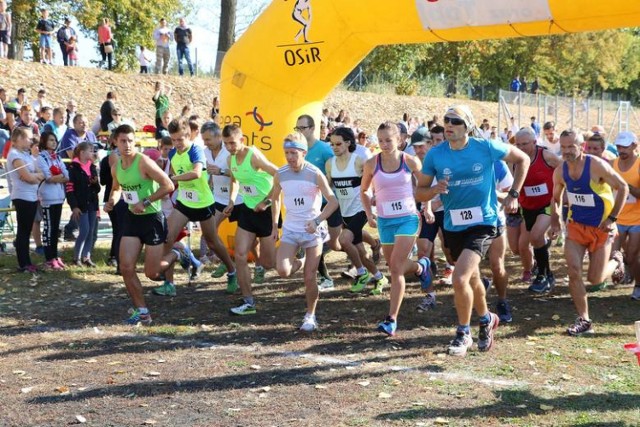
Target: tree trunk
<point>226,37</point>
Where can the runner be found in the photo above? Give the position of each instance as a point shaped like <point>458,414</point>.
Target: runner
<point>593,212</point>
<point>143,185</point>
<point>397,220</point>
<point>302,186</point>
<point>466,183</point>
<point>217,158</point>
<point>535,200</point>
<point>252,174</point>
<point>344,172</point>
<point>194,201</point>
<point>628,166</point>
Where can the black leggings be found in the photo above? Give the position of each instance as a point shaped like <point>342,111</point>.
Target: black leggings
<point>51,229</point>
<point>118,217</point>
<point>26,214</point>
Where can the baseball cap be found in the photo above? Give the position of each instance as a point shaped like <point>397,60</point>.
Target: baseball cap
<point>625,139</point>
<point>420,136</point>
<point>402,128</point>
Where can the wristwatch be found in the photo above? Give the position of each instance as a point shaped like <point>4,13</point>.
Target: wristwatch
<point>317,221</point>
<point>612,218</point>
<point>146,202</point>
<point>514,194</point>
<point>223,171</point>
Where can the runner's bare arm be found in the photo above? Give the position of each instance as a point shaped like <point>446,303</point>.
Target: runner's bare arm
<point>556,203</point>
<point>551,159</point>
<point>260,162</point>
<point>327,168</point>
<point>276,194</point>
<point>332,202</point>
<point>233,190</point>
<point>367,177</point>
<point>601,169</point>
<point>191,175</point>
<point>521,162</point>
<point>152,170</point>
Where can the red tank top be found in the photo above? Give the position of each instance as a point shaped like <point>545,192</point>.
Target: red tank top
<point>537,190</point>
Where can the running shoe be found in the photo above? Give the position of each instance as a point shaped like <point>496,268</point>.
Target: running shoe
<point>618,274</point>
<point>425,274</point>
<point>388,326</point>
<point>309,323</point>
<point>540,285</point>
<point>599,287</point>
<point>219,271</point>
<point>258,275</point>
<point>635,295</point>
<point>232,284</point>
<point>112,262</point>
<point>427,303</point>
<point>52,265</point>
<point>167,289</point>
<point>580,327</point>
<point>60,263</point>
<point>244,309</point>
<point>136,317</point>
<point>486,282</point>
<point>326,285</point>
<point>375,251</point>
<point>504,311</point>
<point>87,262</point>
<point>460,344</point>
<point>526,277</point>
<point>446,276</point>
<point>351,273</point>
<point>485,336</point>
<point>196,269</point>
<point>378,285</point>
<point>360,282</point>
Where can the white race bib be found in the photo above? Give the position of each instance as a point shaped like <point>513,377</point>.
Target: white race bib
<point>131,197</point>
<point>537,190</point>
<point>467,216</point>
<point>631,199</point>
<point>344,193</point>
<point>298,204</point>
<point>249,190</point>
<point>399,207</point>
<point>223,189</point>
<point>189,195</point>
<point>585,200</point>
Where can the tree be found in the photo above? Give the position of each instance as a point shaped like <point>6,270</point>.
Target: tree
<point>226,36</point>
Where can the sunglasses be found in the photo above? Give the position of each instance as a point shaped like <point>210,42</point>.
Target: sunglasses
<point>453,120</point>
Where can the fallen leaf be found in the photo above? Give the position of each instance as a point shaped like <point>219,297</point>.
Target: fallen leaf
<point>546,407</point>
<point>530,338</point>
<point>63,390</point>
<point>153,374</point>
<point>321,387</point>
<point>555,353</point>
<point>149,422</point>
<point>265,388</point>
<point>384,395</point>
<point>364,383</point>
<point>555,317</point>
<point>612,377</point>
<point>19,372</point>
<point>160,360</point>
<point>26,390</point>
<point>81,419</point>
<point>441,420</point>
<point>115,362</point>
<point>521,406</point>
<point>256,367</point>
<point>566,377</point>
<point>588,351</point>
<point>91,361</point>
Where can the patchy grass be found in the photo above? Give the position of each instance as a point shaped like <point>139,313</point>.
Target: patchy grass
<point>65,352</point>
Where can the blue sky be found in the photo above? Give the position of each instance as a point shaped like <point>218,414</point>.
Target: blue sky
<point>204,22</point>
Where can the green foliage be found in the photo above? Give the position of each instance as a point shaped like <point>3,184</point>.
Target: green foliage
<point>132,22</point>
<point>568,64</point>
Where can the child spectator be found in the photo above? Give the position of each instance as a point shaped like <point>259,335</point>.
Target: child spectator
<point>145,61</point>
<point>72,51</point>
<point>82,194</point>
<point>5,29</point>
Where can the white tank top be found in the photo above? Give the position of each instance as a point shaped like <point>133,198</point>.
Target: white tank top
<point>221,183</point>
<point>346,184</point>
<point>302,196</point>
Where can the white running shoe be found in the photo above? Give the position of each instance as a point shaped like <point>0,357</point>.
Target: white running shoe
<point>309,323</point>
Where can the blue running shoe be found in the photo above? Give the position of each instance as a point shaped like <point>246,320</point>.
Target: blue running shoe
<point>425,276</point>
<point>504,311</point>
<point>137,317</point>
<point>388,326</point>
<point>540,285</point>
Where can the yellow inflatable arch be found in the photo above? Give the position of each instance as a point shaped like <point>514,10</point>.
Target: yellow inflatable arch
<point>296,52</point>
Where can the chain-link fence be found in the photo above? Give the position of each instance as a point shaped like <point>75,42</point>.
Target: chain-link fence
<point>576,112</point>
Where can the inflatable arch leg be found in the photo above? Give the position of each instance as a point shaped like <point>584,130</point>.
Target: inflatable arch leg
<point>295,53</point>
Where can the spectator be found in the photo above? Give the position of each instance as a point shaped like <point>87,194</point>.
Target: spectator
<point>105,39</point>
<point>515,84</point>
<point>82,194</point>
<point>22,97</point>
<point>105,110</point>
<point>64,35</point>
<point>523,85</point>
<point>45,117</point>
<point>41,101</point>
<point>72,51</point>
<point>535,86</point>
<point>72,107</point>
<point>215,108</point>
<point>183,37</point>
<point>5,29</point>
<point>535,126</point>
<point>161,101</point>
<point>116,120</point>
<point>45,28</point>
<point>74,136</point>
<point>144,60</point>
<point>26,120</point>
<point>57,125</point>
<point>514,128</point>
<point>163,36</point>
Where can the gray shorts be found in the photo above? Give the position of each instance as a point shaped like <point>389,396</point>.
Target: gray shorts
<point>305,240</point>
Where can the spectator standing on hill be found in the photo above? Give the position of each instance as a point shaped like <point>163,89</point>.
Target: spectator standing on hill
<point>37,104</point>
<point>161,101</point>
<point>45,28</point>
<point>523,85</point>
<point>515,84</point>
<point>105,110</point>
<point>144,60</point>
<point>72,51</point>
<point>535,86</point>
<point>105,40</point>
<point>5,29</point>
<point>163,36</point>
<point>183,37</point>
<point>63,35</point>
